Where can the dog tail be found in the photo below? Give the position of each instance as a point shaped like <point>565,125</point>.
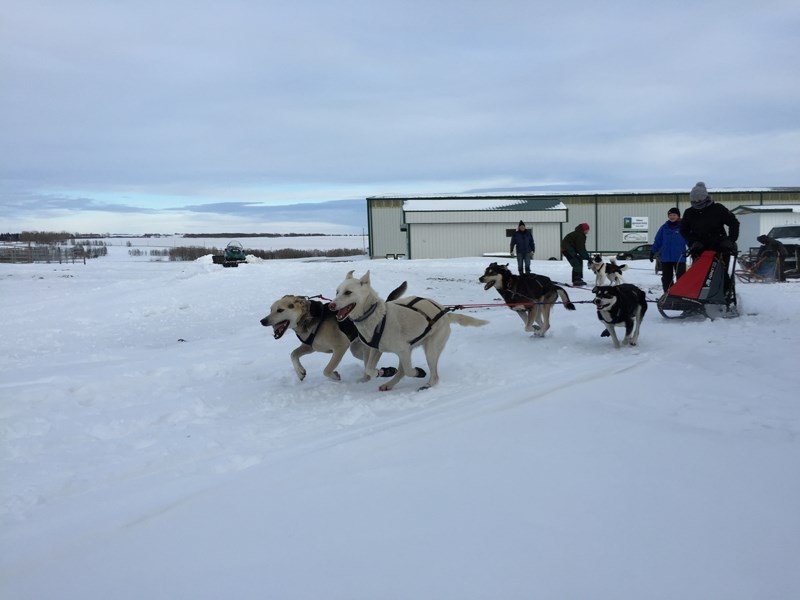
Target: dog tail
<point>397,292</point>
<point>562,293</point>
<point>466,320</point>
<point>623,267</point>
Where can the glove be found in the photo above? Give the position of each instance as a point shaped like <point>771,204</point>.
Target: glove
<point>530,255</point>
<point>696,249</point>
<point>512,253</point>
<point>728,246</point>
<point>652,256</point>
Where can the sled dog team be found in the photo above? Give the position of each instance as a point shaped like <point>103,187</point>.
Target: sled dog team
<point>359,320</point>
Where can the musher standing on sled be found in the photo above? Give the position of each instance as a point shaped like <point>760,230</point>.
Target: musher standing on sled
<point>703,227</point>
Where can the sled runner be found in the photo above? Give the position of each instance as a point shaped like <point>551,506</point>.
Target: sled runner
<point>705,290</point>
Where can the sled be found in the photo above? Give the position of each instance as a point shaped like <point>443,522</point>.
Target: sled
<point>758,270</point>
<point>706,290</point>
<point>233,255</point>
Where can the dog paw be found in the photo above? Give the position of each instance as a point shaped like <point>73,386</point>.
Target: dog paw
<point>385,387</point>
<point>423,388</point>
<point>301,374</point>
<point>334,375</point>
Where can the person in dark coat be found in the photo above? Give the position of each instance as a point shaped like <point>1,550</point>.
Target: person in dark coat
<point>704,222</point>
<point>522,240</point>
<point>670,245</point>
<point>774,252</point>
<point>573,247</point>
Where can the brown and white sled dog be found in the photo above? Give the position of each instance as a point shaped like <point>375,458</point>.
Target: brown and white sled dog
<point>318,331</point>
<point>397,326</point>
<point>531,296</point>
<point>606,270</point>
<point>621,305</point>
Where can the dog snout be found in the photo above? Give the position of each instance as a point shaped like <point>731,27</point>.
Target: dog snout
<point>265,321</point>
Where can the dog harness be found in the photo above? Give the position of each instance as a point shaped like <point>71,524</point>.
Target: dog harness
<point>320,310</point>
<point>310,339</point>
<point>377,333</point>
<point>615,313</point>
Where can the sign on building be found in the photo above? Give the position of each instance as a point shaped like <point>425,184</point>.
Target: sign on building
<point>634,229</point>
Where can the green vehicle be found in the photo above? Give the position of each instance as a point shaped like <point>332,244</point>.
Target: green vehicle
<point>233,255</point>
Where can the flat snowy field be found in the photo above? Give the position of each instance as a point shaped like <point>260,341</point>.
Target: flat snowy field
<point>156,443</point>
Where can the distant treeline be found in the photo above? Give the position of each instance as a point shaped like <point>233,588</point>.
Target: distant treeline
<point>256,235</point>
<point>47,237</point>
<point>195,252</point>
<point>37,237</point>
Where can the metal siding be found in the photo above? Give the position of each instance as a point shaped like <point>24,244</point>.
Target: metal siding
<point>386,237</point>
<point>604,212</point>
<point>485,216</point>
<point>476,239</point>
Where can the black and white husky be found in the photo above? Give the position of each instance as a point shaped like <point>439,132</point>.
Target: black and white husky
<point>606,270</point>
<point>531,296</point>
<point>618,306</point>
<point>397,327</point>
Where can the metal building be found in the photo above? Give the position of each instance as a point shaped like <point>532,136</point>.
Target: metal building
<point>473,225</point>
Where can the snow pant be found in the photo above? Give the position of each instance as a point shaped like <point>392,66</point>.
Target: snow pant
<point>524,257</point>
<point>577,267</point>
<point>667,271</point>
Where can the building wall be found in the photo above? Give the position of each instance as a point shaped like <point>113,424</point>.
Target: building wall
<point>756,224</point>
<point>385,222</point>
<point>451,240</point>
<point>603,212</point>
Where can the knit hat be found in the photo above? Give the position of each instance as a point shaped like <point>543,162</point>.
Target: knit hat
<point>584,227</point>
<point>699,195</point>
<point>521,224</point>
<point>674,211</point>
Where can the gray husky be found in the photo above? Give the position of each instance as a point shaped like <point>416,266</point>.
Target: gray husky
<point>398,327</point>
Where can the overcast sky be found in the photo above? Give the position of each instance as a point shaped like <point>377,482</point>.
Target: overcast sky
<point>155,115</point>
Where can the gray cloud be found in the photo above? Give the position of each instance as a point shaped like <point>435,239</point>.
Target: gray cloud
<point>182,97</point>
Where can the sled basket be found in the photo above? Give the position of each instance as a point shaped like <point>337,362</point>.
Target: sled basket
<point>706,290</point>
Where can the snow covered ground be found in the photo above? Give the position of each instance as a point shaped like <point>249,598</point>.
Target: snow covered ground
<point>156,443</point>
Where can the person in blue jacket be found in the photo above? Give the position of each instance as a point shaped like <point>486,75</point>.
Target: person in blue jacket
<point>523,241</point>
<point>671,247</point>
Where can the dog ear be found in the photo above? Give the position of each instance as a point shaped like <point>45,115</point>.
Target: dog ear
<point>365,278</point>
<point>595,289</point>
<point>349,275</point>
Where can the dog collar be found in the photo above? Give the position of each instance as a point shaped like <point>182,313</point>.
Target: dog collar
<point>366,315</point>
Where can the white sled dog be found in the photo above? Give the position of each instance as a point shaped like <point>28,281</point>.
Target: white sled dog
<point>397,327</point>
<point>318,331</point>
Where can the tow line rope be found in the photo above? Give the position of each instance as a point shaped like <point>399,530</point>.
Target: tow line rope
<point>454,307</point>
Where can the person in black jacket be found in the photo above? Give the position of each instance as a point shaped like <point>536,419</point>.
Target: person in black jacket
<point>772,251</point>
<point>523,241</point>
<point>704,222</point>
<point>573,247</point>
